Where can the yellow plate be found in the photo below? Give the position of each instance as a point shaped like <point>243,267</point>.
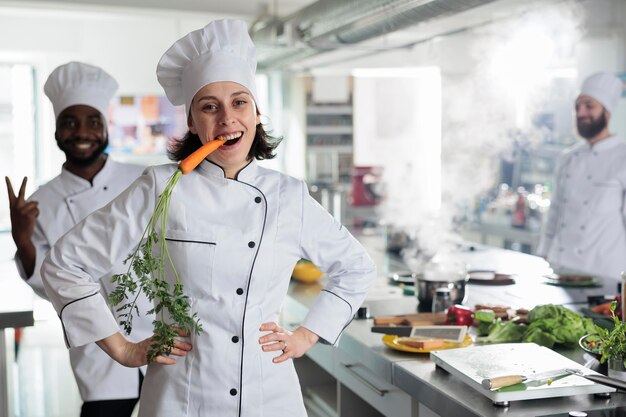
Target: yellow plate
<point>391,340</point>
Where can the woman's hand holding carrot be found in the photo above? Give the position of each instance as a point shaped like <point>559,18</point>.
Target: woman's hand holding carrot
<point>135,354</point>
<point>291,344</point>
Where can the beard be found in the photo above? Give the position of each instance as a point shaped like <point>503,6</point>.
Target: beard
<point>591,129</point>
<point>83,161</point>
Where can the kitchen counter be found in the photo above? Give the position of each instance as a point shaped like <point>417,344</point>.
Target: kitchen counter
<point>16,310</point>
<point>417,386</point>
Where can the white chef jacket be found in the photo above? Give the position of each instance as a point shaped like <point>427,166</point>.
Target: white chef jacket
<point>63,202</point>
<point>585,230</point>
<point>234,244</point>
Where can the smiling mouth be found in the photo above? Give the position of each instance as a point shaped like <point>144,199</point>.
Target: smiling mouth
<point>81,145</point>
<point>230,139</point>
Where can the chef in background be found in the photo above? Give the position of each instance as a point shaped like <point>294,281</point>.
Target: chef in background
<point>585,229</point>
<point>89,179</point>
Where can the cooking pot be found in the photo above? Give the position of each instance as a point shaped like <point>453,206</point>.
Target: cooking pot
<point>426,288</point>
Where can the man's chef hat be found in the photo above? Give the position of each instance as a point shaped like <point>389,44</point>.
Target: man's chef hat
<point>221,51</point>
<point>604,87</point>
<point>77,83</point>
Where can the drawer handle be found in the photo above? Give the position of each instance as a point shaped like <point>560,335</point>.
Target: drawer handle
<point>373,387</point>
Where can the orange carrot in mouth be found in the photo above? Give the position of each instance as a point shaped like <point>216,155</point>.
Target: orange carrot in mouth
<point>192,161</point>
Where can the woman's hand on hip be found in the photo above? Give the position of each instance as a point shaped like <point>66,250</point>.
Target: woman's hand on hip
<point>290,344</point>
<point>135,354</point>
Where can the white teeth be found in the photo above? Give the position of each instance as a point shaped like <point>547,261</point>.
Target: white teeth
<point>230,136</point>
<point>83,145</point>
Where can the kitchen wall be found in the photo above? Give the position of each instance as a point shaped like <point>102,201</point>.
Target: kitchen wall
<point>477,99</point>
<point>125,42</point>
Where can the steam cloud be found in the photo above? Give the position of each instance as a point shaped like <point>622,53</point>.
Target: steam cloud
<point>484,108</point>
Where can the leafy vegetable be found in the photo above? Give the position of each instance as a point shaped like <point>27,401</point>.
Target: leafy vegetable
<point>484,319</point>
<point>504,332</point>
<point>147,263</point>
<point>548,325</point>
<point>613,341</point>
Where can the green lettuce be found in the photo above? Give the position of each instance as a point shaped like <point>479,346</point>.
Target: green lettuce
<point>549,324</point>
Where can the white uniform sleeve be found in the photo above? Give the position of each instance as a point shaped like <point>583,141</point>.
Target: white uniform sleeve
<point>550,227</point>
<point>42,247</point>
<point>351,272</point>
<point>71,270</point>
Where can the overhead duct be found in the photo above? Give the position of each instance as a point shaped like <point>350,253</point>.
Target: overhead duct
<point>330,24</point>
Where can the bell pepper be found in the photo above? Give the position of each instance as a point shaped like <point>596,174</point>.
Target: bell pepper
<point>460,315</point>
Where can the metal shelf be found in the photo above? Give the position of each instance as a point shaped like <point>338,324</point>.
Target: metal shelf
<point>329,130</point>
<point>332,110</point>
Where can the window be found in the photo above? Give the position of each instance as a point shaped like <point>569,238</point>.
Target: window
<point>17,131</point>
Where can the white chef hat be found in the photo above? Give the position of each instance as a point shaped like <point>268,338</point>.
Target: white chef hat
<point>604,87</point>
<point>221,51</point>
<point>77,83</point>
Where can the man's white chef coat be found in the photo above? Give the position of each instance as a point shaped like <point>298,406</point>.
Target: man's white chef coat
<point>585,230</point>
<point>234,244</point>
<point>63,202</point>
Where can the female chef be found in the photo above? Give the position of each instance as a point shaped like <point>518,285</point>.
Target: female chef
<point>235,231</point>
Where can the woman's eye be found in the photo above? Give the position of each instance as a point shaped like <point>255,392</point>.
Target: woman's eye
<point>96,124</point>
<point>209,107</point>
<point>240,102</point>
<point>69,124</point>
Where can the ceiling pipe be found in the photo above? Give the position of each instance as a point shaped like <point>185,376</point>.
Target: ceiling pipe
<point>331,24</point>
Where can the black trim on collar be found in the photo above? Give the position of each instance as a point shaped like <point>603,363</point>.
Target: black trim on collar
<point>242,168</point>
<point>219,166</point>
<point>237,174</point>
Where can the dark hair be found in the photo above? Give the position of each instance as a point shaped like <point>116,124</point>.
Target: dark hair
<point>262,147</point>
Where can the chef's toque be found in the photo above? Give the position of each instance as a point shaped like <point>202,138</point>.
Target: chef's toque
<point>77,83</point>
<point>221,51</point>
<point>604,87</point>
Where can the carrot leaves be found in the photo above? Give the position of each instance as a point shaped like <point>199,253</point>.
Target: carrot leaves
<point>147,273</point>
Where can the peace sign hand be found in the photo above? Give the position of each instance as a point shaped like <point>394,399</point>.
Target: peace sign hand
<point>23,214</point>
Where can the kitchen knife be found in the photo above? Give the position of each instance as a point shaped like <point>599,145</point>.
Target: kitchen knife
<point>450,333</point>
<point>601,379</point>
<point>507,380</point>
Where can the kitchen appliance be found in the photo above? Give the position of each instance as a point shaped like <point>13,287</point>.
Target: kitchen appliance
<point>366,185</point>
<point>426,289</point>
<point>474,364</point>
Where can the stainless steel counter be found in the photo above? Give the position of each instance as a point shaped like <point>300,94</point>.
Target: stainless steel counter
<point>415,374</point>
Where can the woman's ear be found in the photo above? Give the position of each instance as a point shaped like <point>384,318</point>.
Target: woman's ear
<point>190,125</point>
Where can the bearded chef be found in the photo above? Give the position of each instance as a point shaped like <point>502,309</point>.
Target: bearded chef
<point>89,179</point>
<point>585,229</point>
<point>235,230</point>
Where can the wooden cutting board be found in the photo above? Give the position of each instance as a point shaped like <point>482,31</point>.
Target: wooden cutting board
<point>413,319</point>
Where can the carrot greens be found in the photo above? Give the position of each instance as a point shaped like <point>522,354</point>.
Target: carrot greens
<point>147,273</point>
